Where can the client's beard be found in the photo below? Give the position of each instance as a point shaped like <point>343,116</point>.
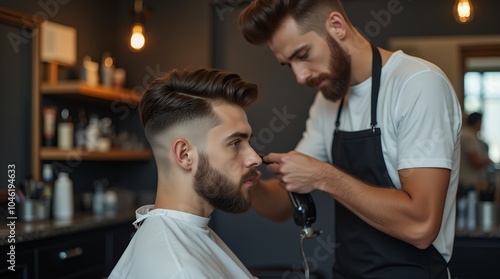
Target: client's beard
<point>219,190</point>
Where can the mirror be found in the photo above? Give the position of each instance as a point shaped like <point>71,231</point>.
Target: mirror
<point>19,97</point>
<point>481,66</point>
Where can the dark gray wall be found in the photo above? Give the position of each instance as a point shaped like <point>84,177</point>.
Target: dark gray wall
<point>15,97</point>
<point>419,18</point>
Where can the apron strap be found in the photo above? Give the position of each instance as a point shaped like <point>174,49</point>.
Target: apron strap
<point>337,121</point>
<point>376,74</point>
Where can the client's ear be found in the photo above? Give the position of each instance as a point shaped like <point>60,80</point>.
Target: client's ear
<point>182,152</point>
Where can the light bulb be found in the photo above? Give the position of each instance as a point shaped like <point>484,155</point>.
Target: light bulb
<point>137,39</point>
<point>463,11</point>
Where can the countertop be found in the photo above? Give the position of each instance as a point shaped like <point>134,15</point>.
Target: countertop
<point>36,230</point>
<point>30,231</point>
<point>479,233</point>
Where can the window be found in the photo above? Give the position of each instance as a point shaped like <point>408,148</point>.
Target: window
<point>482,94</point>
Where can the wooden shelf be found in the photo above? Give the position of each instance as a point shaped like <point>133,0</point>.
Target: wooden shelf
<point>53,153</point>
<point>122,95</point>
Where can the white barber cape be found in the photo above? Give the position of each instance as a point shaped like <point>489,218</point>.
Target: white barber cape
<point>174,244</point>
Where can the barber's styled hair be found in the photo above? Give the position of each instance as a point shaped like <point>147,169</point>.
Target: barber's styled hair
<point>261,18</point>
<point>181,96</point>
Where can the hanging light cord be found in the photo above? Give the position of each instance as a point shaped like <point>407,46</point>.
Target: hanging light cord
<point>138,6</point>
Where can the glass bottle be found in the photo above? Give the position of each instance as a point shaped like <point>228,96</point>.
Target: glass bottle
<point>65,131</point>
<point>80,130</point>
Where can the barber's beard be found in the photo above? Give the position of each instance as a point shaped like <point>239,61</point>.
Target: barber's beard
<point>216,188</point>
<point>337,82</point>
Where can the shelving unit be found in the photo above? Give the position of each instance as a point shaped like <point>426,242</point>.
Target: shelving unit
<point>79,88</point>
<point>52,153</point>
<point>70,91</point>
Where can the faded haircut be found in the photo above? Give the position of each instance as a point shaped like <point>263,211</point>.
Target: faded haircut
<point>261,18</point>
<point>181,97</point>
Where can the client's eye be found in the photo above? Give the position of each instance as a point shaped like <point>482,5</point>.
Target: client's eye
<point>235,143</point>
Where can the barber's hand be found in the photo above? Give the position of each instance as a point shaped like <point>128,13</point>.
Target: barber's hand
<point>258,177</point>
<point>296,172</point>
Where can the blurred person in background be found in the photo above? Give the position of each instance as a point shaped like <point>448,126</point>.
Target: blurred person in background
<point>474,160</point>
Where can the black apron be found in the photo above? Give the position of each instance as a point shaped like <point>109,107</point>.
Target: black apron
<point>365,252</point>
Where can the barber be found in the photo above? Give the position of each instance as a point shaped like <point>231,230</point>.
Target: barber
<point>382,139</point>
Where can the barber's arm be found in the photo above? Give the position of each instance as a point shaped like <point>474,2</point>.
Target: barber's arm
<point>271,201</point>
<point>412,214</point>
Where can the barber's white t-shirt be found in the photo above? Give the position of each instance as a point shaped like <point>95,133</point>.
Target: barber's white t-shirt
<point>174,244</point>
<point>419,117</point>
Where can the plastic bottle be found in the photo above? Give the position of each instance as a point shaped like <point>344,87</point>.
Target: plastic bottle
<point>92,133</point>
<point>110,202</point>
<point>471,209</point>
<point>461,219</point>
<point>91,71</point>
<point>63,197</point>
<point>98,200</point>
<point>65,131</point>
<point>48,187</point>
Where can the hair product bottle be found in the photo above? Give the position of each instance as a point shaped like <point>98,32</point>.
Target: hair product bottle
<point>65,131</point>
<point>63,197</point>
<point>92,133</point>
<point>49,125</point>
<point>80,133</point>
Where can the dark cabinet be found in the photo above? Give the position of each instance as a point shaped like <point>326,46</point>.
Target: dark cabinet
<point>117,242</point>
<point>475,258</point>
<point>24,265</point>
<point>85,254</point>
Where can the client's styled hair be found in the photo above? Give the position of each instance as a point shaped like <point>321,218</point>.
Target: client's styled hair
<point>181,96</point>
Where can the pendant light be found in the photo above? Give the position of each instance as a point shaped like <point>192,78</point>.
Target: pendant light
<point>463,11</point>
<point>137,39</point>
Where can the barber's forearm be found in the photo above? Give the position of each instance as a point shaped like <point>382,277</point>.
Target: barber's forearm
<point>271,201</point>
<point>392,211</point>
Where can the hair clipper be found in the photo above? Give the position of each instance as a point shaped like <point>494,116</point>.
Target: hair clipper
<point>304,213</point>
